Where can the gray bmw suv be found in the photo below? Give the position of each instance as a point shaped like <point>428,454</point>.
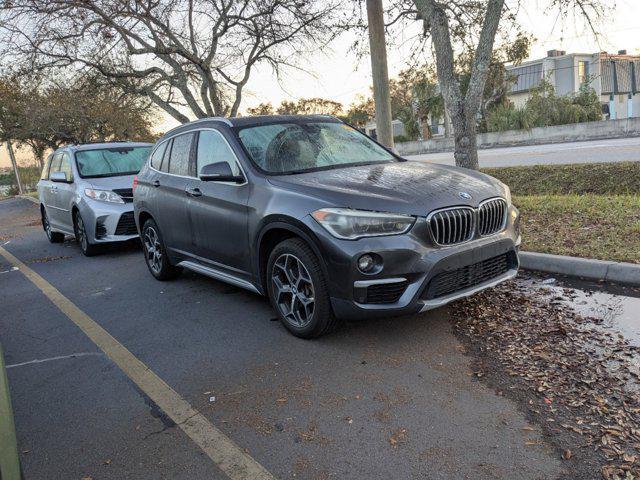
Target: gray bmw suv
<point>86,191</point>
<point>320,218</point>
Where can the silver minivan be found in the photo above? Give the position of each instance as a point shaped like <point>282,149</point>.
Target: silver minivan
<point>86,191</point>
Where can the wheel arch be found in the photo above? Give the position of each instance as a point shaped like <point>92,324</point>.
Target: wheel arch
<point>142,217</point>
<point>43,212</point>
<point>276,230</point>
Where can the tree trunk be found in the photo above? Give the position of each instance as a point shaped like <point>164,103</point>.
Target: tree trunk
<point>447,124</point>
<point>461,108</point>
<point>466,145</point>
<point>40,158</point>
<point>14,164</point>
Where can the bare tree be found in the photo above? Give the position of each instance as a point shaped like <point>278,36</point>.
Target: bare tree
<point>310,106</point>
<point>46,115</point>
<point>190,57</point>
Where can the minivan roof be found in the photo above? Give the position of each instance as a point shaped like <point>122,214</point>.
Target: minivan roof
<point>100,146</point>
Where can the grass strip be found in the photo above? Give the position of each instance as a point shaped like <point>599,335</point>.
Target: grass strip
<point>605,227</point>
<point>620,178</point>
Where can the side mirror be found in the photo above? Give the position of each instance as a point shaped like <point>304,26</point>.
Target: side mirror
<point>59,177</point>
<point>219,172</point>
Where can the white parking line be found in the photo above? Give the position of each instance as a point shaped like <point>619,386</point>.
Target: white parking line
<point>51,359</point>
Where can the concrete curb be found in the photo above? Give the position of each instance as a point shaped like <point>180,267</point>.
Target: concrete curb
<point>626,273</point>
<point>31,199</point>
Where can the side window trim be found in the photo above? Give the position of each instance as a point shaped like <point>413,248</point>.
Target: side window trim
<point>166,157</point>
<point>193,155</point>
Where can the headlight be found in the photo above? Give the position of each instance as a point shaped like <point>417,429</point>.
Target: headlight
<point>352,224</point>
<point>103,195</point>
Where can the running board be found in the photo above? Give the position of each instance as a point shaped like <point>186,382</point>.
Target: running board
<point>218,275</point>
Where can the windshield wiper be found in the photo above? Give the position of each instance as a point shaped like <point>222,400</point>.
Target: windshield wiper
<point>112,174</point>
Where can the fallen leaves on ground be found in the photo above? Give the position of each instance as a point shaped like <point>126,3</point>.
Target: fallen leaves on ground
<point>580,375</point>
<point>398,437</point>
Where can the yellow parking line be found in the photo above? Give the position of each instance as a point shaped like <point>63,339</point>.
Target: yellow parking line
<point>228,456</point>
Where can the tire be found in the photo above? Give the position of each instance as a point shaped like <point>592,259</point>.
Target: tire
<point>88,249</point>
<point>294,276</point>
<point>155,253</point>
<point>54,237</point>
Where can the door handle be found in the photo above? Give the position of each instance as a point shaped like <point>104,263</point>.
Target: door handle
<point>54,189</point>
<point>193,191</point>
<point>156,183</point>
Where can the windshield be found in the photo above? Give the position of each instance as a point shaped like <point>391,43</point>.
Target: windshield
<point>299,147</point>
<point>110,162</point>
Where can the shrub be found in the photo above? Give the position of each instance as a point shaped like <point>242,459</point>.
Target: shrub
<point>544,108</point>
<point>29,177</point>
<point>508,117</point>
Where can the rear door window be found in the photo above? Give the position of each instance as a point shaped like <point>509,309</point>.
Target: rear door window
<point>181,155</point>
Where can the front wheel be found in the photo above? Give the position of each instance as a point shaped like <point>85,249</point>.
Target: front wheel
<point>88,249</point>
<point>155,253</point>
<point>298,290</point>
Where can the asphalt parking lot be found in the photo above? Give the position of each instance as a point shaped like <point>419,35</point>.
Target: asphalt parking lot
<point>390,398</point>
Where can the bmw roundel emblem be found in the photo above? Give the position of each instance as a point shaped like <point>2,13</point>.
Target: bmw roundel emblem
<point>464,195</point>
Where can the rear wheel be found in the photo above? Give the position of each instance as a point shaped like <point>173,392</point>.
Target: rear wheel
<point>155,253</point>
<point>88,248</point>
<point>54,237</point>
<point>298,290</point>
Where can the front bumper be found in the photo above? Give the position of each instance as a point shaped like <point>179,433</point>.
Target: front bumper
<point>413,259</point>
<point>106,222</point>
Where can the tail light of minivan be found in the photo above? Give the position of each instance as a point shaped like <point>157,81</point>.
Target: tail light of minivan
<point>135,183</point>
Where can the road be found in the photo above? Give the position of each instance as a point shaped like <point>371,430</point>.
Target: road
<point>614,150</point>
<point>390,398</point>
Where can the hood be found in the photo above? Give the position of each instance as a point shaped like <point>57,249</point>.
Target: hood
<point>110,183</point>
<point>412,188</point>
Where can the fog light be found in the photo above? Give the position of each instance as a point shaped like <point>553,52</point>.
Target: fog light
<point>366,263</point>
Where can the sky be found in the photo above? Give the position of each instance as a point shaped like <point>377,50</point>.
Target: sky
<point>338,74</point>
<point>341,76</point>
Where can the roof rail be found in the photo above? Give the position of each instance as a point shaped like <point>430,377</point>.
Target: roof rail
<point>217,119</point>
<point>104,141</point>
<point>206,119</point>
